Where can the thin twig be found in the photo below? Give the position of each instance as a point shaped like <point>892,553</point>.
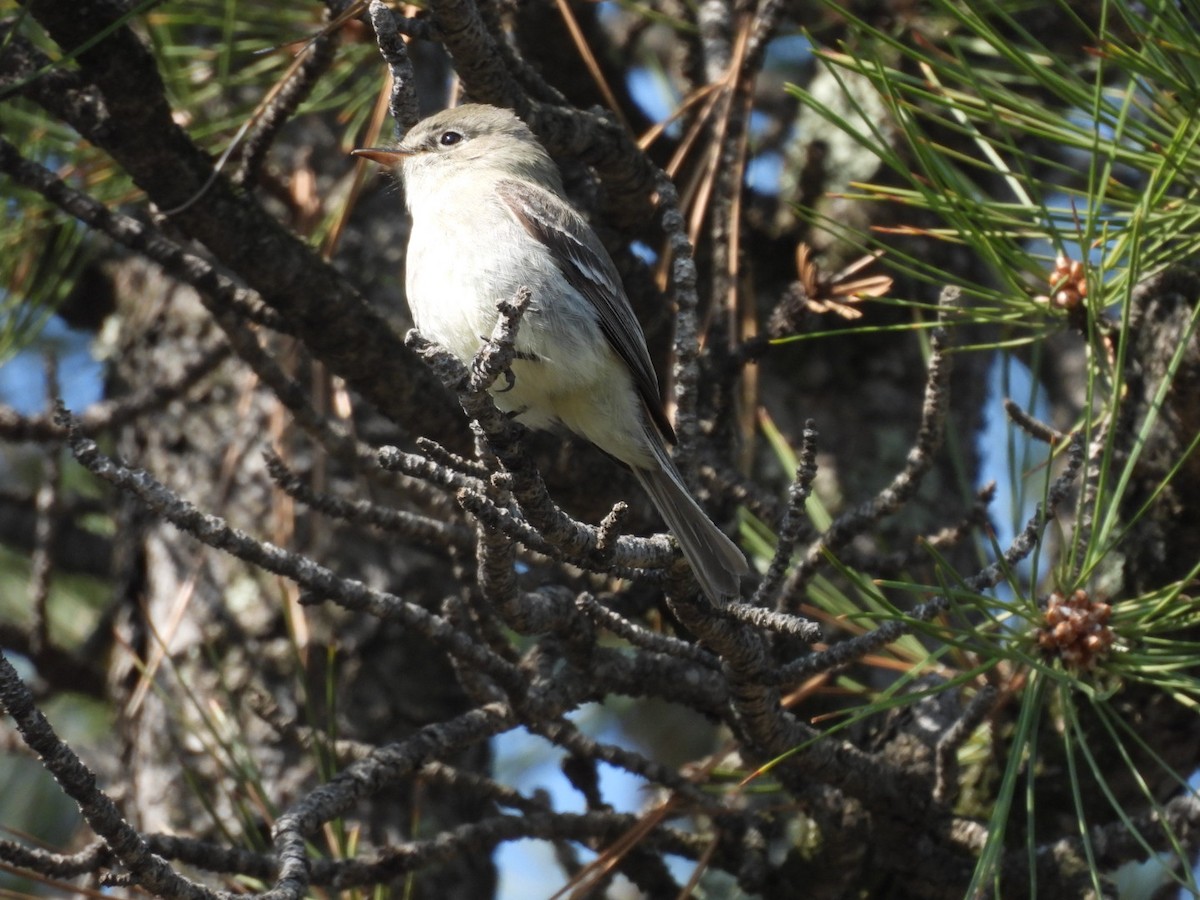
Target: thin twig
<point>687,326</point>
<point>432,532</point>
<point>945,781</point>
<point>320,581</point>
<point>146,868</point>
<point>283,101</point>
<point>1031,426</point>
<point>642,637</point>
<point>403,100</point>
<point>783,623</point>
<point>902,487</point>
<point>794,519</point>
<point>848,651</point>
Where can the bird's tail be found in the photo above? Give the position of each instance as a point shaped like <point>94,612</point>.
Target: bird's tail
<point>715,559</point>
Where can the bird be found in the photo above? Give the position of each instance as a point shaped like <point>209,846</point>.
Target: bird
<point>490,217</point>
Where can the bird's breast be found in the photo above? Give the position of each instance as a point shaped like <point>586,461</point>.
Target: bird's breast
<point>462,262</point>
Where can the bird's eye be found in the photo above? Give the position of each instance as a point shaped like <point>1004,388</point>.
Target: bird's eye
<point>449,138</point>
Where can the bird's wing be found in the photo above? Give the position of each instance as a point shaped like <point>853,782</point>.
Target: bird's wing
<point>589,269</point>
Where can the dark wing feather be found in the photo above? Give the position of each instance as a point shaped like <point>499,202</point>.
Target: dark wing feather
<point>588,268</point>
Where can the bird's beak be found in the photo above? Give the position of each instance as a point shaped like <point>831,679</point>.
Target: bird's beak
<point>383,157</point>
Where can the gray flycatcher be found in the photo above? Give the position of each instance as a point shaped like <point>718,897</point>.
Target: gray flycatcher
<point>489,217</point>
